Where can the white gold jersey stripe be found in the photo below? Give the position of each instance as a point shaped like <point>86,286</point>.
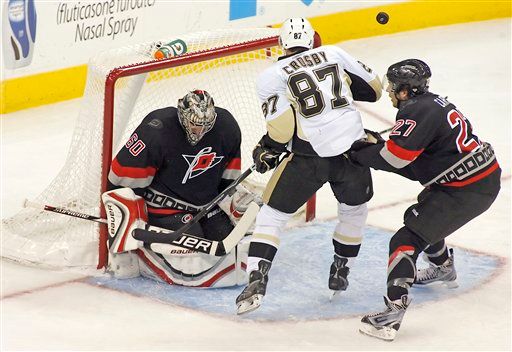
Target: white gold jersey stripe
<point>392,159</point>
<point>129,181</point>
<point>231,174</point>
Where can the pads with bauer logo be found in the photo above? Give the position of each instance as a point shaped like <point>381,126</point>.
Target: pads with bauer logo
<point>125,212</point>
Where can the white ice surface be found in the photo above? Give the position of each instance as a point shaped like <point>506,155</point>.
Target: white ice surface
<point>54,310</point>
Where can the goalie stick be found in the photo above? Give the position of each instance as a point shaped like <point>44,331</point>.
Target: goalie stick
<point>64,211</point>
<point>216,248</point>
<point>155,237</point>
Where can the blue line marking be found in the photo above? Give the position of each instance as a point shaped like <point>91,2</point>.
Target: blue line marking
<point>297,289</point>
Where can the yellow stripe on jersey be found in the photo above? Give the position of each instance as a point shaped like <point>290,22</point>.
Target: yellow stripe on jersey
<point>300,131</point>
<point>347,239</point>
<point>274,178</point>
<point>266,238</point>
<point>376,85</point>
<point>281,128</point>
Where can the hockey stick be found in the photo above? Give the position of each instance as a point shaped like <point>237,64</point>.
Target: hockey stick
<point>386,130</point>
<point>154,237</point>
<point>216,248</point>
<point>203,245</point>
<point>63,211</point>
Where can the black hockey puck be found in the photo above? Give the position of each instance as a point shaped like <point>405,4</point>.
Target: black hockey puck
<point>382,18</point>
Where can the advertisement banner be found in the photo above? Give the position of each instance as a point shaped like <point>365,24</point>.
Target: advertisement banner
<point>70,32</point>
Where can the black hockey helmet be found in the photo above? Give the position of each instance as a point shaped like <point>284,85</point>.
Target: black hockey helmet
<point>411,74</point>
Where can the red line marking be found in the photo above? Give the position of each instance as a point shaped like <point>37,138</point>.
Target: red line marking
<point>42,288</point>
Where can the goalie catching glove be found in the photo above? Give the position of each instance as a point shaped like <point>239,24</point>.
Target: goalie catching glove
<point>266,154</point>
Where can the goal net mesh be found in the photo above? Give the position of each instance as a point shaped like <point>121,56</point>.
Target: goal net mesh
<point>34,236</point>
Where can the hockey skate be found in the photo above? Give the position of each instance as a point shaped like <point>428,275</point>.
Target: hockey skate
<point>338,275</point>
<point>251,296</point>
<point>444,273</point>
<point>384,325</point>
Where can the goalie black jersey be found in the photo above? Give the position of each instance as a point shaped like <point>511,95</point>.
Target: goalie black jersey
<point>162,166</point>
<point>433,142</point>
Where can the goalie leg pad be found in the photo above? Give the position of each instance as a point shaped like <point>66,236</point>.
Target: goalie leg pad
<point>123,265</point>
<point>125,212</point>
<point>178,266</point>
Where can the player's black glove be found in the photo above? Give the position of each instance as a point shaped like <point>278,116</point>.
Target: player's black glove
<point>265,159</point>
<point>371,138</point>
<point>266,154</point>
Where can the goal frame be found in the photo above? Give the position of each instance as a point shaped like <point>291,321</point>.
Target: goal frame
<point>145,67</point>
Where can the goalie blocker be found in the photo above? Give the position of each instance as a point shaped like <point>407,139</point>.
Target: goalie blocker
<point>188,261</point>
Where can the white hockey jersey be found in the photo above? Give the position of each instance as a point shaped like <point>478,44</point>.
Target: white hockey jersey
<point>321,85</point>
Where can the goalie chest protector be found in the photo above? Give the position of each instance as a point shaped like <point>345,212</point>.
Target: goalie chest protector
<point>159,155</point>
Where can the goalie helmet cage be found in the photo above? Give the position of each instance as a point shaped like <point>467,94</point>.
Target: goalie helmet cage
<point>123,86</point>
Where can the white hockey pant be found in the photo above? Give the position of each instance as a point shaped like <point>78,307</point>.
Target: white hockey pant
<point>350,227</point>
<point>269,225</point>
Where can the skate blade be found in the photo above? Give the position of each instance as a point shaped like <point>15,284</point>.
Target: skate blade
<point>250,304</point>
<point>450,284</point>
<point>385,333</point>
<point>335,293</point>
<point>447,284</point>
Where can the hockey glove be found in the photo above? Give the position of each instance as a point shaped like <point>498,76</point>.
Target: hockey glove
<point>371,138</point>
<point>265,159</point>
<point>241,200</point>
<point>266,154</point>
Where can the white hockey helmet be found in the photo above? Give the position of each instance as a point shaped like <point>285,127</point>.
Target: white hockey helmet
<point>296,32</point>
<point>196,112</point>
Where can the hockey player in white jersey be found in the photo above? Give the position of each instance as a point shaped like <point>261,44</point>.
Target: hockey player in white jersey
<point>307,100</point>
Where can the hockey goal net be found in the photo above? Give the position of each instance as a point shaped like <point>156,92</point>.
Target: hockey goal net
<point>123,86</point>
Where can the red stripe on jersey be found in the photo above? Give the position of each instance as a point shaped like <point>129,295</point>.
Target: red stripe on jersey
<point>473,179</point>
<point>164,211</point>
<point>217,276</point>
<point>132,172</point>
<point>153,267</point>
<point>234,164</point>
<point>398,251</point>
<point>402,153</point>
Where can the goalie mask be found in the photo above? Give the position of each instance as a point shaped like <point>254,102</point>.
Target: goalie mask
<point>196,112</point>
<point>296,33</point>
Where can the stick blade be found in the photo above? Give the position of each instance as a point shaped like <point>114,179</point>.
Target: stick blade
<point>241,227</point>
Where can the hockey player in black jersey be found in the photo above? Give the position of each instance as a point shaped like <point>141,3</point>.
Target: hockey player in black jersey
<point>432,142</point>
<point>178,160</point>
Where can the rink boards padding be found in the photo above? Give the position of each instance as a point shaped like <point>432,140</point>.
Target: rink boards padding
<point>297,288</point>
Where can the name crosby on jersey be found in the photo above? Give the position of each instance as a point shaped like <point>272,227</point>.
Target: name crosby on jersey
<point>305,60</point>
